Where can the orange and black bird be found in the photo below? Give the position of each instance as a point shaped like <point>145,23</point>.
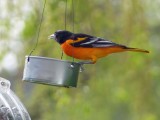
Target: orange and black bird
<point>86,47</point>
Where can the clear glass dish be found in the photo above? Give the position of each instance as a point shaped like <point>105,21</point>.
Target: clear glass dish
<point>11,107</point>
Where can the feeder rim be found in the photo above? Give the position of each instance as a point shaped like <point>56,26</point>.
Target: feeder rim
<point>40,57</point>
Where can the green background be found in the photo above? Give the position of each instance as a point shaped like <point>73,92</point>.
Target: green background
<point>122,86</point>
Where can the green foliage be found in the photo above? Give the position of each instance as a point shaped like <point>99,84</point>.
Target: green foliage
<point>123,86</point>
<point>119,87</point>
<point>30,27</point>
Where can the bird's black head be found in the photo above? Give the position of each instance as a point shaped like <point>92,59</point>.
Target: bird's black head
<point>61,36</point>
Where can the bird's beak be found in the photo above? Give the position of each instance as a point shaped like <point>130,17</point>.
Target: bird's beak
<point>51,36</point>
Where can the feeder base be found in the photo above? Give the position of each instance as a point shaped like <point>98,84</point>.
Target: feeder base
<point>51,71</point>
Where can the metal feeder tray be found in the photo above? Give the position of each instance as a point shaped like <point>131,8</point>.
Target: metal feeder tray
<point>51,71</point>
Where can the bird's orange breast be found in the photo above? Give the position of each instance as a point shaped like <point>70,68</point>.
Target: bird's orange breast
<point>88,53</point>
<point>76,52</point>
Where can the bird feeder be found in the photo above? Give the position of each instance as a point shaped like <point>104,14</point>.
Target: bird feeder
<point>51,71</point>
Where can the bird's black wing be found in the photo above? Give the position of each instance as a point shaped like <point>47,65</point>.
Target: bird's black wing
<point>91,41</point>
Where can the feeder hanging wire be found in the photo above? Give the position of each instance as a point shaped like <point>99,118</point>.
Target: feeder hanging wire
<point>73,25</point>
<point>73,16</point>
<point>65,23</point>
<point>37,38</point>
<point>65,18</point>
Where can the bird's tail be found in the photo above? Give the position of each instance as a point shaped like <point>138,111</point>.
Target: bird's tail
<point>136,50</point>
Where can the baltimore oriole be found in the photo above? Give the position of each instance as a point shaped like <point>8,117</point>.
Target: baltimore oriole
<point>87,47</point>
